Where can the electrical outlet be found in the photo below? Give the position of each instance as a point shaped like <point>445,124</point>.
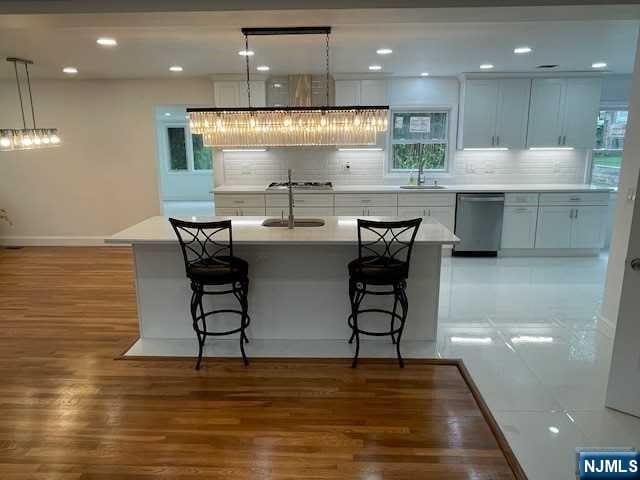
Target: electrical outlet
<point>346,166</point>
<point>488,167</point>
<point>246,168</point>
<point>470,167</point>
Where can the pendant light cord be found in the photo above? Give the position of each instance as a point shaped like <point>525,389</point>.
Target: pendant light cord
<point>33,112</point>
<point>246,56</point>
<point>327,65</point>
<point>15,68</point>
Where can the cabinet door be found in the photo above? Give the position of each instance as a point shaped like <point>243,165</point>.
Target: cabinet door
<point>513,112</point>
<point>480,109</point>
<point>588,227</point>
<point>351,211</point>
<point>519,227</point>
<point>226,212</point>
<point>412,212</point>
<point>582,104</point>
<point>258,94</point>
<point>382,211</point>
<point>546,113</point>
<point>373,92</point>
<point>227,94</point>
<point>554,227</point>
<point>347,92</point>
<point>445,215</point>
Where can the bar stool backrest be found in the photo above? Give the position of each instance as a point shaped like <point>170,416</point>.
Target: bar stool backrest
<point>200,242</point>
<point>386,243</point>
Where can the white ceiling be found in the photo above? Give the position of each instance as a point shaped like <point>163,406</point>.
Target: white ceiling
<point>441,48</point>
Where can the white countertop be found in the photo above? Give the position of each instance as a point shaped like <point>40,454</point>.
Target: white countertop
<point>534,187</point>
<point>249,231</point>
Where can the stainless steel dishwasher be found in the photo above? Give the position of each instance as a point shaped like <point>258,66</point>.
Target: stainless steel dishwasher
<point>479,223</point>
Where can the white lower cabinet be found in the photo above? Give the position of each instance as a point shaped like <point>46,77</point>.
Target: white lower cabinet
<point>366,211</point>
<point>299,211</point>
<point>239,211</point>
<point>519,227</point>
<point>444,215</point>
<point>571,227</point>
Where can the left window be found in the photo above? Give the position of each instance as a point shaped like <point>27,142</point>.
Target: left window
<point>185,157</point>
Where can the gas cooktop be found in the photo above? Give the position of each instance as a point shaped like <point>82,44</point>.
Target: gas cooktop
<point>301,185</point>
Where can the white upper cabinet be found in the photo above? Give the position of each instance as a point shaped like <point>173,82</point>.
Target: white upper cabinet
<point>513,112</point>
<point>233,94</point>
<point>563,112</point>
<point>480,109</point>
<point>347,92</point>
<point>495,112</point>
<point>582,105</point>
<point>361,92</point>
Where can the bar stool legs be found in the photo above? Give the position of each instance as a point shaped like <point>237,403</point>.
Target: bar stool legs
<point>240,290</point>
<point>357,293</point>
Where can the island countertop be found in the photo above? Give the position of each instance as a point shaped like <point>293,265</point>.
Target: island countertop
<point>249,231</point>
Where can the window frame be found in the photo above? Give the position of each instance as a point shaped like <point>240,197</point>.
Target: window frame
<point>608,106</point>
<point>190,170</point>
<point>389,170</point>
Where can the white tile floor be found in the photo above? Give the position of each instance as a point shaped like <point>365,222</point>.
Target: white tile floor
<point>528,332</point>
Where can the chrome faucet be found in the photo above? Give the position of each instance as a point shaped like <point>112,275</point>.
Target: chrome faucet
<point>292,222</point>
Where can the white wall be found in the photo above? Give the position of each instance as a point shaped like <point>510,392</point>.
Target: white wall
<point>104,177</point>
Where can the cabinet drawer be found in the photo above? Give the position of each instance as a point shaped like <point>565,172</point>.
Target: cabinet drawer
<point>579,198</point>
<point>516,199</point>
<point>239,211</point>
<point>366,211</point>
<point>519,227</point>
<point>426,199</point>
<point>299,211</point>
<point>239,200</point>
<point>374,199</point>
<point>306,199</point>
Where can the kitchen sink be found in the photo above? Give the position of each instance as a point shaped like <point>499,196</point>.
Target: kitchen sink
<point>298,222</point>
<point>423,187</point>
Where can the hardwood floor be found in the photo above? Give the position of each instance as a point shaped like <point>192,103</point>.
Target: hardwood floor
<point>69,410</point>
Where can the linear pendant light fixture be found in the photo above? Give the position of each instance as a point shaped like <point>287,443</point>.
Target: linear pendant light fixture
<point>26,138</point>
<point>256,127</point>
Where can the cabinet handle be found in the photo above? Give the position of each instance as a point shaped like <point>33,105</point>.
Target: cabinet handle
<point>559,139</point>
<point>365,200</point>
<point>363,212</point>
<point>238,201</point>
<point>498,140</point>
<point>493,140</point>
<point>571,213</point>
<point>522,209</point>
<point>577,212</point>
<point>574,199</point>
<point>564,139</point>
<point>424,212</point>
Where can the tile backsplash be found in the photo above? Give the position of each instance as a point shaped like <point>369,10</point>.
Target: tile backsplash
<point>367,168</point>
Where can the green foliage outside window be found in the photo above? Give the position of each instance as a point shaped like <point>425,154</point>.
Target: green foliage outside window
<point>409,156</point>
<point>419,138</point>
<point>202,156</point>
<point>177,149</point>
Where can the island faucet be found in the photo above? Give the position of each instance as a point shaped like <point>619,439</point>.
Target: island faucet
<point>292,222</point>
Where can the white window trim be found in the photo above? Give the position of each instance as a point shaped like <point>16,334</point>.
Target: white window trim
<point>189,146</point>
<point>394,172</point>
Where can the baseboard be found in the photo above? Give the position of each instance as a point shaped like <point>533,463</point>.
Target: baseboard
<point>549,252</point>
<point>605,326</point>
<point>52,241</point>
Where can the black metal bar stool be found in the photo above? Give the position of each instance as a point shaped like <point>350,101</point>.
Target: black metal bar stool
<point>383,261</point>
<point>209,262</point>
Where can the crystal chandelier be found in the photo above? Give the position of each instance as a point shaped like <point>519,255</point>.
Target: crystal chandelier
<point>26,138</point>
<point>288,126</point>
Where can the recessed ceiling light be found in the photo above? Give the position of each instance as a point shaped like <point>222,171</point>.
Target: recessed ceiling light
<point>522,50</point>
<point>263,68</point>
<point>424,74</point>
<point>70,70</point>
<point>375,68</point>
<point>277,85</point>
<point>175,68</point>
<point>486,66</point>
<point>246,53</point>
<point>599,65</point>
<point>384,51</point>
<point>107,42</point>
<point>167,114</point>
<point>554,430</point>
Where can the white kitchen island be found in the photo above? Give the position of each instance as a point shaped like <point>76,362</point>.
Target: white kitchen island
<point>298,295</point>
